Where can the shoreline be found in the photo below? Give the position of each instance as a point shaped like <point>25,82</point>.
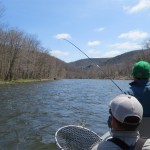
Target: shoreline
<point>24,81</point>
<point>41,80</point>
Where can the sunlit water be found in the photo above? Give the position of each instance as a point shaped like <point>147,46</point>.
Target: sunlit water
<point>31,113</point>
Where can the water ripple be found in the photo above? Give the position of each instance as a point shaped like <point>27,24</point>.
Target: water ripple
<point>30,113</point>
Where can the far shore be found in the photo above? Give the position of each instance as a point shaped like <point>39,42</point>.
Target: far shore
<point>40,80</point>
<point>24,81</point>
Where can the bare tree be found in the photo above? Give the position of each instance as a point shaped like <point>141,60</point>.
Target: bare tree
<point>147,44</point>
<point>14,45</point>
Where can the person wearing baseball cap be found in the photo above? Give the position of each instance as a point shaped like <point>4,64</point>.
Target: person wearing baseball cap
<point>141,70</point>
<point>140,88</point>
<point>126,114</point>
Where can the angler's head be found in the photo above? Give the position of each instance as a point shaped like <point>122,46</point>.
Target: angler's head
<point>141,70</point>
<point>126,113</point>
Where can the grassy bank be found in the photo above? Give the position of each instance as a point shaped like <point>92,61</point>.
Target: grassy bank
<point>23,81</point>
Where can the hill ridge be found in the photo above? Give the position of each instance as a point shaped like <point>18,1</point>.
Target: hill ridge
<point>130,56</point>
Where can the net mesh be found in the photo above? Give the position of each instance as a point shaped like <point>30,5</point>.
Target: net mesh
<point>75,138</point>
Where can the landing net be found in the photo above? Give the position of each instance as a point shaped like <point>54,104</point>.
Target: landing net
<point>73,137</point>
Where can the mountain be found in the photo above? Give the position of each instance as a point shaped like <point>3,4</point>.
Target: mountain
<point>88,63</point>
<point>131,57</point>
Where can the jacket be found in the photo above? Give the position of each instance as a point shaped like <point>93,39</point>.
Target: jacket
<point>141,90</point>
<point>129,137</point>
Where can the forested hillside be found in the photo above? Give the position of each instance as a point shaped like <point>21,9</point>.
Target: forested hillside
<point>118,67</point>
<point>23,57</point>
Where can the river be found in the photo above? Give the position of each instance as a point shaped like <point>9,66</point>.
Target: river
<point>31,113</point>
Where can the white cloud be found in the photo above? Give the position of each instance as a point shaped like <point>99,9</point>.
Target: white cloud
<point>93,52</point>
<point>126,46</point>
<point>143,4</point>
<point>59,53</point>
<point>111,54</point>
<point>121,48</point>
<point>100,54</point>
<point>94,43</point>
<point>62,36</point>
<point>134,35</point>
<point>100,29</point>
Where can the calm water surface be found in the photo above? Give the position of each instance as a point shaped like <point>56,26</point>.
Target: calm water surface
<point>30,113</point>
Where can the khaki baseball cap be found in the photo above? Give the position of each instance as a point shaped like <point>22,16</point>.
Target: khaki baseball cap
<point>124,106</point>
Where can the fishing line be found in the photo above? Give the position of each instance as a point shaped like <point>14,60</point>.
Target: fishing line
<point>94,64</point>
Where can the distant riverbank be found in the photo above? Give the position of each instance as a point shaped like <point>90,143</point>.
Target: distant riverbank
<point>41,80</point>
<point>24,81</point>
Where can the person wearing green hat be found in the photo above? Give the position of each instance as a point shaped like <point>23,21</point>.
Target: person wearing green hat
<point>140,88</point>
<point>141,70</point>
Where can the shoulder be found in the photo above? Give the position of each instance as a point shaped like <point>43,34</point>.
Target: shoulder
<point>128,91</point>
<point>146,145</point>
<point>107,145</point>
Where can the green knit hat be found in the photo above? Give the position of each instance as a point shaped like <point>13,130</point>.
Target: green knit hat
<point>141,70</point>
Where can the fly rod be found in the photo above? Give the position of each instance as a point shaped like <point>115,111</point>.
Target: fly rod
<point>94,63</point>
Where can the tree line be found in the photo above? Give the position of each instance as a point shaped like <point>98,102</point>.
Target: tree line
<point>118,67</point>
<point>23,57</point>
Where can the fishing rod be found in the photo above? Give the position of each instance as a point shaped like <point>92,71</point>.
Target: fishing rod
<point>94,63</point>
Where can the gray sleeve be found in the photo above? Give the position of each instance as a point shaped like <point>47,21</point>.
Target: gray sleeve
<point>107,145</point>
<point>146,145</point>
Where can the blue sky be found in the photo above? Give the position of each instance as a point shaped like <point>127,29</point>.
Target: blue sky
<point>100,28</point>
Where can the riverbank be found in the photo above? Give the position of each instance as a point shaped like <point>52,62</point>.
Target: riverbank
<point>23,81</point>
<point>41,80</point>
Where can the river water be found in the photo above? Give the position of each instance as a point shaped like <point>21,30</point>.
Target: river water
<point>31,113</point>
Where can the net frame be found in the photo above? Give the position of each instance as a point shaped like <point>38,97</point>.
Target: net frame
<point>74,137</point>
